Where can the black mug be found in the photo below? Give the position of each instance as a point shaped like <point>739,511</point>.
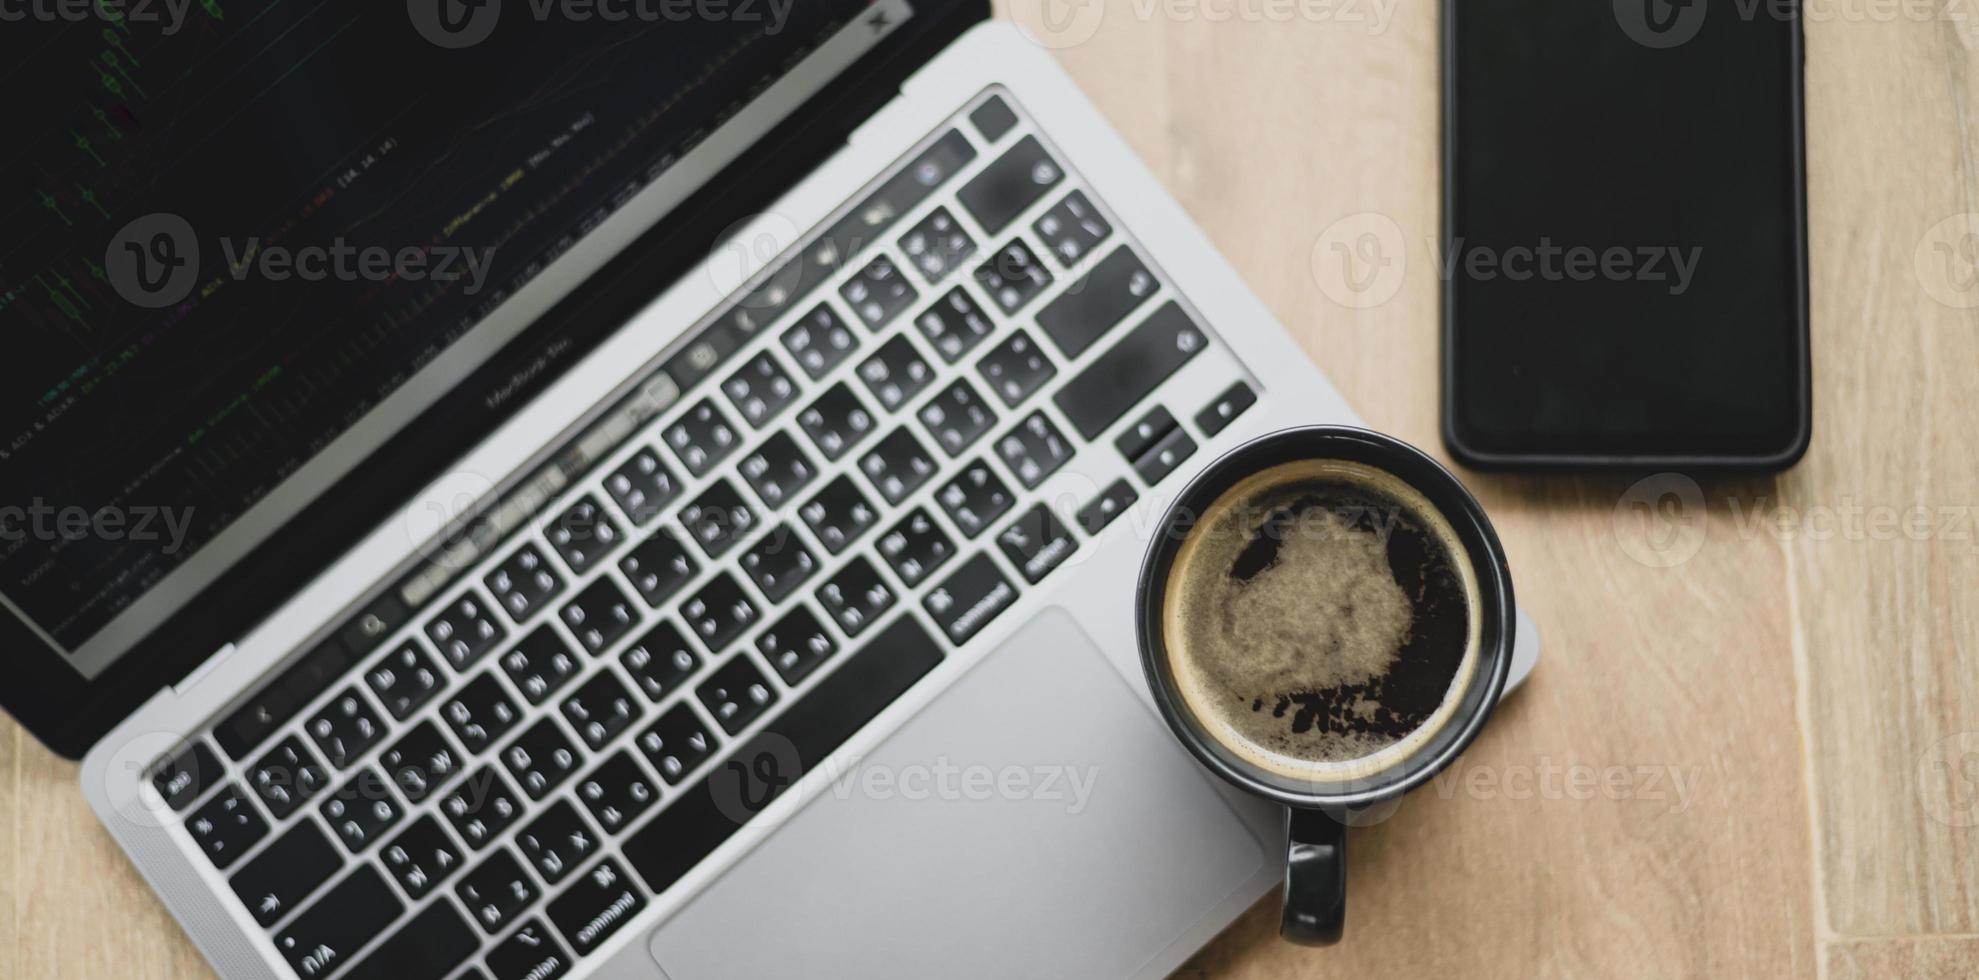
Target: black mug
<point>1315,889</point>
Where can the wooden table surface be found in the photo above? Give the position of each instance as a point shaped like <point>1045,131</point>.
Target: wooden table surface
<point>1752,748</point>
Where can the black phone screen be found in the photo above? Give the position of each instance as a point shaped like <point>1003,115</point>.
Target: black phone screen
<point>1624,246</point>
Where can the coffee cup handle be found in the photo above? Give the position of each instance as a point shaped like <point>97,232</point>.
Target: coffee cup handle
<point>1315,895</point>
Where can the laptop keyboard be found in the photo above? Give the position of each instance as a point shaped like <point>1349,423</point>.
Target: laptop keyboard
<point>508,772</point>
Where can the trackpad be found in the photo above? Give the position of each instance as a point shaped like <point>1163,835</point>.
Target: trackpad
<point>1036,820</point>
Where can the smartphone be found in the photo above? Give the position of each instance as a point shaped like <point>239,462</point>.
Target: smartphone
<point>1624,234</point>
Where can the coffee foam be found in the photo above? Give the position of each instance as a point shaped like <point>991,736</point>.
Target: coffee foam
<point>1315,612</point>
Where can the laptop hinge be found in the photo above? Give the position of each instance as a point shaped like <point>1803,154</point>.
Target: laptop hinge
<point>206,667</point>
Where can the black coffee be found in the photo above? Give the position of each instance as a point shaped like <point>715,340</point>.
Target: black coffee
<point>1321,620</point>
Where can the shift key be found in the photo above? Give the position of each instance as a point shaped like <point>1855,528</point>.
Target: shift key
<point>324,936</point>
<point>426,948</point>
<point>1131,370</point>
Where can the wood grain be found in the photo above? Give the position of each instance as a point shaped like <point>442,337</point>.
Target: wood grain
<point>1887,623</point>
<point>1922,958</point>
<point>1816,693</point>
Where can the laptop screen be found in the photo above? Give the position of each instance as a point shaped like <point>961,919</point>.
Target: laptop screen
<point>247,242</point>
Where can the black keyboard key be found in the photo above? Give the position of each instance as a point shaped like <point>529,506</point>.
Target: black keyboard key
<point>406,679</point>
<point>736,693</point>
<point>426,948</point>
<point>778,563</point>
<point>839,514</point>
<point>718,519</point>
<point>702,438</point>
<point>915,547</point>
<point>1037,543</point>
<point>937,245</point>
<point>1087,309</point>
<point>957,417</point>
<point>895,373</point>
<point>617,792</point>
<point>975,498</point>
<point>361,631</point>
<point>421,762</point>
<point>720,612</point>
<point>1130,370</point>
<point>1111,503</point>
<point>346,728</point>
<point>1013,276</point>
<point>766,300</point>
<point>897,466</point>
<point>600,709</point>
<point>677,743</point>
<point>993,118</point>
<point>530,954</point>
<point>273,706</point>
<point>595,906</point>
<point>856,596</point>
<point>658,567</point>
<point>819,341</point>
<point>1010,184</point>
<point>877,293</point>
<point>226,826</point>
<point>967,600</point>
<point>659,661</point>
<point>760,389</point>
<point>1141,436</point>
<point>480,713</point>
<point>481,807</point>
<point>557,842</point>
<point>362,810</point>
<point>1162,459</point>
<point>326,934</point>
<point>795,646</point>
<point>422,857</point>
<point>1220,413</point>
<point>1034,450</point>
<point>600,616</point>
<point>541,758</point>
<point>465,632</point>
<point>540,663</point>
<point>778,470</point>
<point>954,324</point>
<point>584,534</point>
<point>1071,228</point>
<point>523,583</point>
<point>496,890</point>
<point>285,872</point>
<point>287,777</point>
<point>836,422</point>
<point>807,732</point>
<point>181,778</point>
<point>1016,368</point>
<point>643,486</point>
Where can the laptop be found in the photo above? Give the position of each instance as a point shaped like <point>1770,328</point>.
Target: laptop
<point>726,571</point>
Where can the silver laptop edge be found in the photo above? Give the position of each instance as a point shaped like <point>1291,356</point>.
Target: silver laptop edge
<point>1097,594</point>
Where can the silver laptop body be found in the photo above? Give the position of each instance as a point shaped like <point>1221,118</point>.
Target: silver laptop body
<point>931,755</point>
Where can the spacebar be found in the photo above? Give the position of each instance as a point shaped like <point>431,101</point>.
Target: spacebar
<point>796,741</point>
